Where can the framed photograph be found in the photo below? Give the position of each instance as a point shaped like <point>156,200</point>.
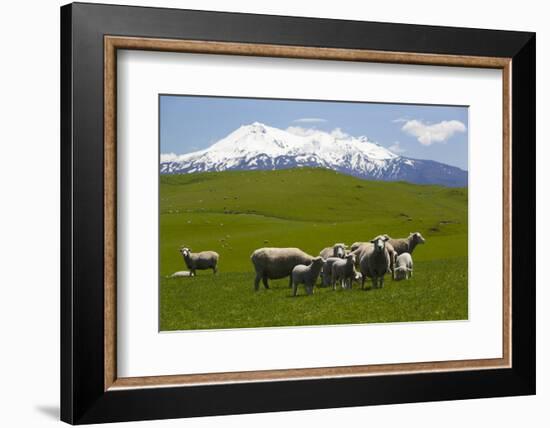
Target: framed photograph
<point>266,213</point>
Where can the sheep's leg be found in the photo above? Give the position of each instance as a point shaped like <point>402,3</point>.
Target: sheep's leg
<point>290,281</point>
<point>382,282</point>
<point>294,288</point>
<point>257,281</point>
<point>363,277</point>
<point>309,289</point>
<point>215,269</point>
<point>264,280</point>
<point>192,272</point>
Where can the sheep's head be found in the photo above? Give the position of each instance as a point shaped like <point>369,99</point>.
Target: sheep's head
<point>417,238</point>
<point>185,251</point>
<point>339,250</point>
<point>400,273</point>
<point>379,243</point>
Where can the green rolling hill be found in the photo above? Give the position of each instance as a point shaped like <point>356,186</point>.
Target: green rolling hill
<point>235,212</point>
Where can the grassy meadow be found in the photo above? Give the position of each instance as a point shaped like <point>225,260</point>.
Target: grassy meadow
<point>235,212</point>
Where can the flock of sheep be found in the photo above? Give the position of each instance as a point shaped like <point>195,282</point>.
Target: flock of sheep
<point>336,264</point>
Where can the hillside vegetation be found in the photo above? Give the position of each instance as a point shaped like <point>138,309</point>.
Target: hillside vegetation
<point>236,212</point>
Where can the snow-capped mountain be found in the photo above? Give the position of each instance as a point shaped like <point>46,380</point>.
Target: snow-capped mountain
<point>261,147</point>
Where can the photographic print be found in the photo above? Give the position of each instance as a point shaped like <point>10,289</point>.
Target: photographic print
<point>279,212</point>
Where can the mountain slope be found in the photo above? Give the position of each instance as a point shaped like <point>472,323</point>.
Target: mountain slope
<point>261,147</point>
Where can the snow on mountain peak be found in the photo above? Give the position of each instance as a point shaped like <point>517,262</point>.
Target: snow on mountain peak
<point>259,146</point>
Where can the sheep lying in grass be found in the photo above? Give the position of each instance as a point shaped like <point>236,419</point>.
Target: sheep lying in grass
<point>403,267</point>
<point>276,263</point>
<point>181,274</point>
<point>307,275</point>
<point>326,275</point>
<point>344,271</point>
<point>200,261</point>
<point>375,262</point>
<point>407,245</point>
<point>337,250</point>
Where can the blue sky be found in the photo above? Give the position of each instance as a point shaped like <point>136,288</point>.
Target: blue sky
<point>440,133</point>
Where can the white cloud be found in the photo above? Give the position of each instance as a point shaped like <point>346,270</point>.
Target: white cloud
<point>396,148</point>
<point>168,157</point>
<point>338,133</point>
<point>310,120</point>
<point>303,132</point>
<point>435,133</point>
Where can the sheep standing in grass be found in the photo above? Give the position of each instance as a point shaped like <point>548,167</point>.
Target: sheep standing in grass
<point>326,275</point>
<point>407,245</point>
<point>276,263</point>
<point>403,267</point>
<point>337,250</point>
<point>307,275</point>
<point>200,261</point>
<point>343,270</point>
<point>358,247</point>
<point>375,262</point>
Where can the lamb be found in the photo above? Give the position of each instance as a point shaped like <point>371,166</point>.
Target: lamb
<point>403,267</point>
<point>327,271</point>
<point>200,261</point>
<point>276,263</point>
<point>307,275</point>
<point>407,245</point>
<point>375,262</point>
<point>344,271</point>
<point>337,250</point>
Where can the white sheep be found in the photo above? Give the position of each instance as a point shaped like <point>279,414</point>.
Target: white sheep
<point>276,263</point>
<point>407,245</point>
<point>337,250</point>
<point>181,274</point>
<point>403,267</point>
<point>326,272</point>
<point>307,275</point>
<point>375,262</point>
<point>344,271</point>
<point>200,261</point>
<point>358,247</point>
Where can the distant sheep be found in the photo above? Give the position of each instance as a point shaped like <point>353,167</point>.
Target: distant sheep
<point>403,267</point>
<point>407,245</point>
<point>181,274</point>
<point>337,250</point>
<point>344,271</point>
<point>200,261</point>
<point>375,262</point>
<point>276,263</point>
<point>307,275</point>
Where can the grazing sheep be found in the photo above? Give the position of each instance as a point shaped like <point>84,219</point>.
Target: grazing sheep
<point>407,245</point>
<point>344,271</point>
<point>276,263</point>
<point>200,261</point>
<point>327,271</point>
<point>375,262</point>
<point>337,250</point>
<point>403,267</point>
<point>307,275</point>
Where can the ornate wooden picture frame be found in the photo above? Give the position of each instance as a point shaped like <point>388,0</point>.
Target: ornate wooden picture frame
<point>91,390</point>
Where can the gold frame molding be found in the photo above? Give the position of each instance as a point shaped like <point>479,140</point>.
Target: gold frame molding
<point>113,43</point>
